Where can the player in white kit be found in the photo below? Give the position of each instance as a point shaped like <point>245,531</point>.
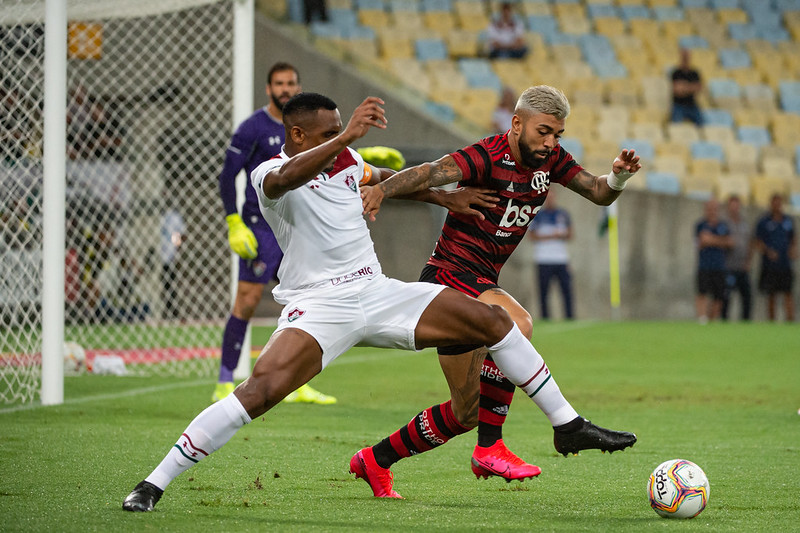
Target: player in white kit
<point>335,294</point>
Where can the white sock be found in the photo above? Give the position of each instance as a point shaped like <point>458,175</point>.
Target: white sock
<point>519,361</point>
<point>207,433</point>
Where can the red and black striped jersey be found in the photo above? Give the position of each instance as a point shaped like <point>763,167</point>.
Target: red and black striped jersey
<point>483,246</point>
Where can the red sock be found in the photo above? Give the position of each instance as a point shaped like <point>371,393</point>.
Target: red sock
<point>431,428</point>
<point>496,395</point>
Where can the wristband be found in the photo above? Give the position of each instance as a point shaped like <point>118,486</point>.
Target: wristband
<point>616,180</point>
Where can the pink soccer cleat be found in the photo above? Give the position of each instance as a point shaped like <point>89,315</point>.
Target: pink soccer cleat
<point>380,479</point>
<point>497,460</point>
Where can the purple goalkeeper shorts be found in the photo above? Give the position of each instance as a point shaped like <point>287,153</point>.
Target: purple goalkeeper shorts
<point>263,268</point>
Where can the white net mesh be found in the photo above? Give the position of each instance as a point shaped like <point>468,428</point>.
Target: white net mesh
<point>148,120</point>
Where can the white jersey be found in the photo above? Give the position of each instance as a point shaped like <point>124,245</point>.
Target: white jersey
<point>320,228</point>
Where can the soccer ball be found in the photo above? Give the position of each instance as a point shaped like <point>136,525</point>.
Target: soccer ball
<point>678,489</point>
<point>74,358</point>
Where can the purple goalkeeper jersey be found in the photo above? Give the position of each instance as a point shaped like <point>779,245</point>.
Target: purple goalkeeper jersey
<point>257,139</point>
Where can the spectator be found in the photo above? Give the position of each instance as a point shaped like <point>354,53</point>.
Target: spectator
<point>506,35</point>
<point>501,118</point>
<point>96,135</point>
<point>777,242</point>
<point>14,127</point>
<point>173,230</point>
<point>713,238</point>
<point>686,84</point>
<point>551,229</point>
<point>737,259</point>
<point>315,10</point>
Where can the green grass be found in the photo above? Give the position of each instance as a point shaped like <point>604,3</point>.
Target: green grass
<point>724,396</point>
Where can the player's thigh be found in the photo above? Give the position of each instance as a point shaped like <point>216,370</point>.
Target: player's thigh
<point>248,294</point>
<point>455,318</point>
<point>519,315</point>
<point>290,359</point>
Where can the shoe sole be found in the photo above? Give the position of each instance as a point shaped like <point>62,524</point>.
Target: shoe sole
<point>566,453</point>
<point>482,472</point>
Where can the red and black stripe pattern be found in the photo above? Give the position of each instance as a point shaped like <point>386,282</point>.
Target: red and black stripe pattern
<point>483,247</point>
<point>496,395</point>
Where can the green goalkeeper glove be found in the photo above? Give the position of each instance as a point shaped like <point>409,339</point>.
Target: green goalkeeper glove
<point>241,238</point>
<point>383,156</point>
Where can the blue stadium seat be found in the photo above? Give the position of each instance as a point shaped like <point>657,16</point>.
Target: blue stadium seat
<point>742,31</point>
<point>733,58</point>
<point>725,4</point>
<point>325,30</point>
<point>544,25</point>
<point>692,41</point>
<point>644,148</point>
<point>756,135</point>
<point>774,35</point>
<point>767,18</point>
<point>717,117</point>
<point>442,112</point>
<point>791,103</point>
<point>344,19</point>
<point>479,73</point>
<point>437,5</point>
<point>370,5</point>
<point>663,13</point>
<point>663,182</point>
<point>724,88</point>
<point>602,11</point>
<point>430,49</point>
<point>574,146</point>
<point>794,200</point>
<point>403,5</point>
<point>632,12</point>
<point>707,150</point>
<point>785,5</point>
<point>789,87</point>
<point>688,4</point>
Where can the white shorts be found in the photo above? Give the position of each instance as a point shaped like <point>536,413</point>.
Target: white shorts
<point>380,312</point>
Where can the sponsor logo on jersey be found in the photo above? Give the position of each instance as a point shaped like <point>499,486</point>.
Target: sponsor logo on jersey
<point>274,140</point>
<point>507,161</point>
<point>294,314</point>
<point>352,276</point>
<point>517,215</point>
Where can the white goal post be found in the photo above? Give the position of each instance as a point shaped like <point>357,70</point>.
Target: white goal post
<point>111,233</point>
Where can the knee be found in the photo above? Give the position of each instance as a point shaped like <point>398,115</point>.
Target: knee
<point>525,324</point>
<point>498,322</point>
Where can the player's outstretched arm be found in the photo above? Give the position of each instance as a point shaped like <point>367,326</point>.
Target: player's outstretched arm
<point>603,190</point>
<point>306,165</point>
<point>411,180</point>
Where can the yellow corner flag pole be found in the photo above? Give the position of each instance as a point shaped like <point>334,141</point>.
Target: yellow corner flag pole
<point>613,260</point>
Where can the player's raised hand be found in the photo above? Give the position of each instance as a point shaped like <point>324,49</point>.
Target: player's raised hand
<point>463,199</point>
<point>369,114</point>
<point>627,161</point>
<point>371,198</point>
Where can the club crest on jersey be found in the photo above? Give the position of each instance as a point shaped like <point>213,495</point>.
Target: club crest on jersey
<point>540,181</point>
<point>350,181</point>
<point>294,314</point>
<point>259,267</point>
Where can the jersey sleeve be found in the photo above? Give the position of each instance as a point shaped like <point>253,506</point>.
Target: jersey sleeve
<point>565,168</point>
<point>474,163</point>
<point>236,157</point>
<point>257,180</point>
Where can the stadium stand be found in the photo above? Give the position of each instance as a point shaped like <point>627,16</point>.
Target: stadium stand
<point>608,54</point>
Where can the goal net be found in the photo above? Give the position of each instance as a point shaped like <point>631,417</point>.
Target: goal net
<point>147,269</point>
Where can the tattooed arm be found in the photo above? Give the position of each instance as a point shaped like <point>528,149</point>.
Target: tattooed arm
<point>410,180</point>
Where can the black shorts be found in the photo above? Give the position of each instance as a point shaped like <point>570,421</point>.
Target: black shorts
<point>466,282</point>
<point>773,281</point>
<point>711,282</point>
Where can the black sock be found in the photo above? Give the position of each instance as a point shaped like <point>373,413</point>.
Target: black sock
<point>570,427</point>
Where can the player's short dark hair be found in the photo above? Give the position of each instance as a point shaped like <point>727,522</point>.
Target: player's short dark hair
<point>303,103</point>
<point>281,66</point>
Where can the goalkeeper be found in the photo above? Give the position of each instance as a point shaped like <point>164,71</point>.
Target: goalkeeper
<point>258,138</point>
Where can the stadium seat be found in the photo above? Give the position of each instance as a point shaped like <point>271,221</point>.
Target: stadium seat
<point>666,13</point>
<point>663,183</point>
<point>734,58</point>
<point>705,167</point>
<point>717,117</point>
<point>759,96</point>
<point>544,25</point>
<point>692,42</point>
<point>778,167</point>
<point>440,111</point>
<point>734,183</point>
<point>463,43</point>
<point>635,12</point>
<point>741,158</point>
<point>699,187</point>
<point>755,135</point>
<point>644,148</point>
<point>750,117</point>
<point>722,135</point>
<point>596,11</point>
<point>707,150</point>
<point>671,163</point>
<point>763,187</point>
<point>430,49</point>
<point>652,131</point>
<point>574,146</point>
<point>682,132</point>
<point>725,93</point>
<point>742,31</point>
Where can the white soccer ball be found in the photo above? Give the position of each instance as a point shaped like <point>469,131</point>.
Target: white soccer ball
<point>678,489</point>
<point>74,358</point>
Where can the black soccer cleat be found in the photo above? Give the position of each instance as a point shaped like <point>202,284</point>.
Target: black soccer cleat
<point>142,498</point>
<point>589,437</point>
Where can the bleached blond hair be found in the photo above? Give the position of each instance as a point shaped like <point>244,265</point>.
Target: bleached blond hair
<point>544,99</point>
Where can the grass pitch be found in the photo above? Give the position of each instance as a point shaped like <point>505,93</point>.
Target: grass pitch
<point>724,396</point>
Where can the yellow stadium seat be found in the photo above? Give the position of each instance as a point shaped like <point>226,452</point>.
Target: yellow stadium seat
<point>750,117</point>
<point>622,92</point>
<point>374,18</point>
<point>779,167</point>
<point>734,183</point>
<point>719,134</point>
<point>440,21</point>
<point>472,22</point>
<point>740,157</point>
<point>462,43</point>
<point>731,14</point>
<point>392,45</point>
<point>705,167</point>
<point>763,187</point>
<point>610,26</point>
<point>683,132</point>
<point>673,163</point>
<point>699,186</point>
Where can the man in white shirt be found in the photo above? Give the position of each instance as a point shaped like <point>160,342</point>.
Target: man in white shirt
<point>335,294</point>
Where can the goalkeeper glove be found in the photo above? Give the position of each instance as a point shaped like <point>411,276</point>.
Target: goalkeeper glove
<point>383,156</point>
<point>241,238</point>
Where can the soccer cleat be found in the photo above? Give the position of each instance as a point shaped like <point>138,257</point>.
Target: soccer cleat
<point>306,394</point>
<point>589,436</point>
<point>222,391</point>
<point>497,460</point>
<point>142,498</point>
<point>380,479</point>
